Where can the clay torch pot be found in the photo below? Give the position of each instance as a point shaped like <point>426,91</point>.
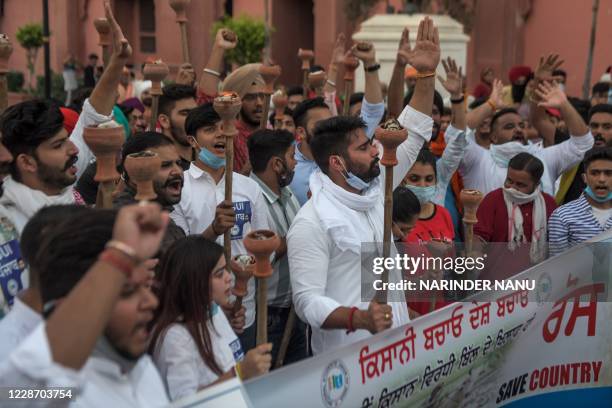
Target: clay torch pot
<point>243,267</point>
<point>103,28</point>
<point>227,105</point>
<point>317,79</point>
<point>261,243</point>
<point>280,101</point>
<point>471,200</point>
<point>142,168</point>
<point>438,247</point>
<point>156,73</point>
<point>105,143</point>
<point>269,73</point>
<point>179,7</point>
<point>229,35</point>
<point>390,139</point>
<point>6,49</point>
<point>305,56</point>
<point>350,65</point>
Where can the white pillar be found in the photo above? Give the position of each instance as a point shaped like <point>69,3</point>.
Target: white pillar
<point>385,30</point>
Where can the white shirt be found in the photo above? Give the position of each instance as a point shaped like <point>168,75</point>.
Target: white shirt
<point>88,117</point>
<point>99,383</point>
<point>323,277</point>
<point>602,215</point>
<point>18,324</point>
<point>178,359</point>
<point>480,172</point>
<point>196,212</point>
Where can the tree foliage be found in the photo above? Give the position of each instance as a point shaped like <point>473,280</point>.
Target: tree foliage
<point>30,36</point>
<point>251,38</point>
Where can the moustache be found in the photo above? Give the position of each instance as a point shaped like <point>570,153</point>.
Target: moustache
<point>172,180</point>
<point>599,138</point>
<point>374,162</point>
<point>70,162</point>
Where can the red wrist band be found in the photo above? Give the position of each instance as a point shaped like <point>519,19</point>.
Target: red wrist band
<point>350,327</point>
<point>117,261</point>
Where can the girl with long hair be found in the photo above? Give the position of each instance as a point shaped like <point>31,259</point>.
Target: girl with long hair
<point>193,344</point>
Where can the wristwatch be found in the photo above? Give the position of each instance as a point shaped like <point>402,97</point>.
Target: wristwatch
<point>373,68</point>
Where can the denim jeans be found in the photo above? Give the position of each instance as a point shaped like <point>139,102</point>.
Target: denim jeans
<point>277,320</point>
<point>248,338</point>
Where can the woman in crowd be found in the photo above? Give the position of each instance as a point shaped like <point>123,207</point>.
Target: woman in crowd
<point>193,344</point>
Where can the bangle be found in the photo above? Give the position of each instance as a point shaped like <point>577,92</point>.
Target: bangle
<point>332,83</point>
<point>212,72</point>
<point>125,249</point>
<point>372,68</point>
<point>238,370</point>
<point>458,100</point>
<point>421,75</point>
<point>349,326</point>
<point>124,266</point>
<point>492,105</point>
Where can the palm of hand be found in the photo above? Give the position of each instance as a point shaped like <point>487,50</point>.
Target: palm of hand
<point>555,98</point>
<point>425,56</point>
<point>452,83</point>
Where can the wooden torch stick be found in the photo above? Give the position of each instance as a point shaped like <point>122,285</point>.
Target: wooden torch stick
<point>471,200</point>
<point>104,38</point>
<point>269,75</point>
<point>156,73</point>
<point>284,345</point>
<point>180,7</point>
<point>391,134</point>
<point>6,49</point>
<point>105,142</point>
<point>305,56</point>
<point>350,65</point>
<point>227,105</point>
<point>261,243</point>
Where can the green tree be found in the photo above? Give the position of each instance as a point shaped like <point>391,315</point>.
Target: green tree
<point>30,37</point>
<point>251,38</point>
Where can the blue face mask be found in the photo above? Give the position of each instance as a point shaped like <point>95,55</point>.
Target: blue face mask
<point>591,194</point>
<point>214,308</point>
<point>424,194</point>
<point>354,181</point>
<point>210,159</point>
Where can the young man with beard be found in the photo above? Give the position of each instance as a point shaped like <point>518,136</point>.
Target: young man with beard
<point>285,122</point>
<point>572,183</point>
<point>203,209</point>
<point>271,153</point>
<point>590,214</point>
<point>102,290</point>
<point>167,184</point>
<point>174,106</point>
<point>346,210</point>
<point>485,170</point>
<point>308,113</point>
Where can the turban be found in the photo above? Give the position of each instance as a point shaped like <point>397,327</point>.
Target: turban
<point>518,71</point>
<point>242,79</point>
<point>133,103</point>
<point>70,119</point>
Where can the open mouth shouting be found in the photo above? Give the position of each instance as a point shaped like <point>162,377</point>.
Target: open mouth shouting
<point>219,147</point>
<point>174,186</point>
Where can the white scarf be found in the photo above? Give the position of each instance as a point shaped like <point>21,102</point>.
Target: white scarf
<point>502,153</point>
<point>338,210</point>
<point>516,235</point>
<point>21,199</point>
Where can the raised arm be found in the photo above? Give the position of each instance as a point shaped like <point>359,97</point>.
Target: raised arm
<point>211,76</point>
<point>476,117</point>
<point>537,114</point>
<point>395,96</point>
<point>553,97</point>
<point>336,61</point>
<point>373,91</point>
<point>453,85</point>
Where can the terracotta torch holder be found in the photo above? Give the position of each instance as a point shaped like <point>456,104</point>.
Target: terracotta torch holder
<point>280,101</point>
<point>105,143</point>
<point>180,8</point>
<point>104,37</point>
<point>155,73</point>
<point>305,56</point>
<point>243,267</point>
<point>262,243</point>
<point>316,80</point>
<point>227,105</point>
<point>471,200</point>
<point>350,66</point>
<point>269,75</point>
<point>6,49</point>
<point>142,168</point>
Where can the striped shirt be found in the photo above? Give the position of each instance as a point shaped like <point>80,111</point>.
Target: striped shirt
<point>281,212</point>
<point>573,223</point>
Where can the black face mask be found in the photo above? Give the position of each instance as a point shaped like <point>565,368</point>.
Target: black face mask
<point>286,177</point>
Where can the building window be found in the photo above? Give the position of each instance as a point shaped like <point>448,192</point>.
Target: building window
<point>147,26</point>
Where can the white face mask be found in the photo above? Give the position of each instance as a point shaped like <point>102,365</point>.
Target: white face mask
<point>502,153</point>
<point>520,198</point>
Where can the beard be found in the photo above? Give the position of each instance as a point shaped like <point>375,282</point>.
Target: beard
<point>178,134</point>
<point>368,174</point>
<point>518,92</point>
<point>166,200</point>
<point>53,177</point>
<point>248,119</point>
